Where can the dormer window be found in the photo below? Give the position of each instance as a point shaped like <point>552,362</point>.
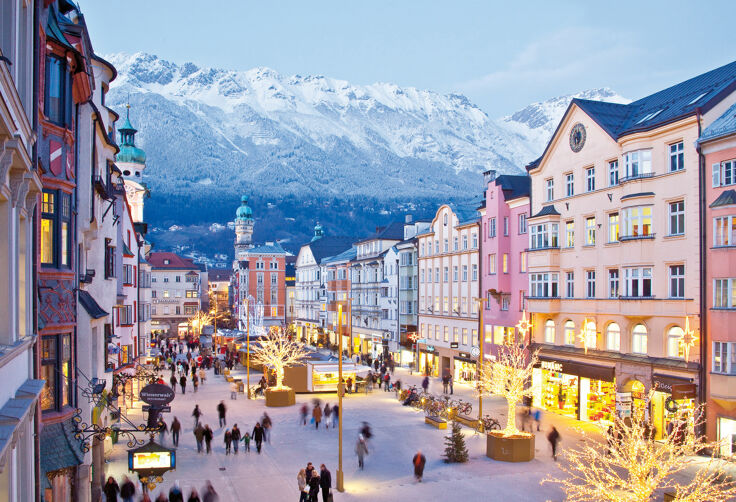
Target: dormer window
<point>167,262</point>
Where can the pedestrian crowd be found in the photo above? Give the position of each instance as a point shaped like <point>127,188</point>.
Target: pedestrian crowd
<point>127,491</point>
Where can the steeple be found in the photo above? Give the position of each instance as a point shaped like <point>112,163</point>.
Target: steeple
<point>128,151</point>
<point>318,232</point>
<point>243,228</point>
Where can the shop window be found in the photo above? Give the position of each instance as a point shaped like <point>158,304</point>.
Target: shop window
<point>639,339</point>
<point>549,331</point>
<point>674,347</point>
<point>569,333</point>
<point>613,337</point>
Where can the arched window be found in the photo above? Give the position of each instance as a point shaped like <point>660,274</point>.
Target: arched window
<point>569,333</point>
<point>590,338</point>
<point>674,348</point>
<point>549,331</point>
<point>613,337</point>
<point>639,339</point>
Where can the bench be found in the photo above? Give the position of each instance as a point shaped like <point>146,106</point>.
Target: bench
<point>437,422</point>
<point>467,421</point>
<point>229,378</point>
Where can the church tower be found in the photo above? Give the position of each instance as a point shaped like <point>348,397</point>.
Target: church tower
<point>132,161</point>
<point>243,228</point>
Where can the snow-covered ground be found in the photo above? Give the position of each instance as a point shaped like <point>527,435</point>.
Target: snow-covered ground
<point>398,433</point>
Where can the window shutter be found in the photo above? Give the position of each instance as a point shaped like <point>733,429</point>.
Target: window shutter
<point>716,175</point>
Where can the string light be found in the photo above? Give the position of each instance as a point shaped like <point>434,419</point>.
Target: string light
<point>524,325</point>
<point>688,339</point>
<point>583,336</point>
<point>278,352</point>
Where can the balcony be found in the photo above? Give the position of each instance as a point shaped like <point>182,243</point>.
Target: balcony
<point>647,306</point>
<point>633,177</point>
<point>627,238</point>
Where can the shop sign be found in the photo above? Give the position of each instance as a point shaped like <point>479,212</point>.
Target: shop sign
<point>623,404</point>
<point>580,369</point>
<point>683,391</point>
<point>157,394</point>
<point>430,348</point>
<point>668,384</point>
<point>152,460</point>
<point>551,366</point>
<point>465,355</point>
<point>453,345</point>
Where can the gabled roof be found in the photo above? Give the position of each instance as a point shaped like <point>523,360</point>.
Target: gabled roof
<point>394,232</point>
<point>176,262</point>
<point>547,211</point>
<point>727,198</point>
<point>722,126</point>
<point>219,274</point>
<point>347,255</point>
<point>329,246</point>
<point>514,186</point>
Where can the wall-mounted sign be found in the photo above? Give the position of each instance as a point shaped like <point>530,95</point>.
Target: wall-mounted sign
<point>551,366</point>
<point>163,409</point>
<point>157,394</point>
<point>430,348</point>
<point>453,345</point>
<point>466,355</point>
<point>475,351</point>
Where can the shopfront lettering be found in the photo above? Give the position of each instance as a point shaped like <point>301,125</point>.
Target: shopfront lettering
<point>551,366</point>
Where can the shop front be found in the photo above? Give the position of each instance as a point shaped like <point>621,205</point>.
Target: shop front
<point>429,361</point>
<point>368,343</point>
<point>727,436</point>
<point>673,398</point>
<point>582,391</point>
<point>465,368</point>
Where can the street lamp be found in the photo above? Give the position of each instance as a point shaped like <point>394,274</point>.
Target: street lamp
<point>482,340</point>
<point>340,392</point>
<point>247,344</point>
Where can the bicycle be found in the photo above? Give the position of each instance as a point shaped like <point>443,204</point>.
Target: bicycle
<point>487,423</point>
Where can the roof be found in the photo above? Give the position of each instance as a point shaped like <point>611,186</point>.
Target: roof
<point>176,262</point>
<point>329,246</point>
<point>722,126</point>
<point>59,449</point>
<point>727,198</point>
<point>547,211</point>
<point>267,248</point>
<point>219,274</point>
<point>514,186</point>
<point>347,255</point>
<point>696,95</point>
<point>90,305</point>
<point>394,231</point>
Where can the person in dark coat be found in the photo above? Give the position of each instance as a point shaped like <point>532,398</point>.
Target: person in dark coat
<point>196,414</point>
<point>175,430</point>
<point>314,487</point>
<point>554,438</point>
<point>172,381</point>
<point>208,438</point>
<point>419,460</point>
<point>309,471</point>
<point>175,494</point>
<point>258,436</point>
<point>228,441</point>
<point>111,490</point>
<point>127,490</point>
<point>199,436</point>
<point>194,496</point>
<point>221,413</point>
<point>236,437</point>
<point>325,482</point>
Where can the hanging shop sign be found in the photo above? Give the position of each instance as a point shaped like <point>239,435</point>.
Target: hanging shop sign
<point>466,355</point>
<point>594,372</point>
<point>157,394</point>
<point>150,462</point>
<point>475,351</point>
<point>680,388</point>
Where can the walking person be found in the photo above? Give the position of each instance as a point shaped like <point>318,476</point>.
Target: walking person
<point>317,415</point>
<point>386,382</point>
<point>246,442</point>
<point>199,436</point>
<point>175,494</point>
<point>325,482</point>
<point>175,429</point>
<point>258,436</point>
<point>335,416</point>
<point>172,381</point>
<point>235,432</point>
<point>303,413</point>
<point>202,375</point>
<point>451,380</point>
<point>162,430</point>
<point>208,438</point>
<point>221,413</point>
<point>183,383</point>
<point>350,385</point>
<point>327,413</point>
<point>425,384</point>
<point>196,414</point>
<point>445,383</point>
<point>554,438</point>
<point>419,461</point>
<point>194,496</point>
<point>266,423</point>
<point>361,450</point>
<point>301,482</point>
<point>228,441</point>
<point>210,495</point>
<point>111,490</point>
<point>127,490</point>
<point>195,381</point>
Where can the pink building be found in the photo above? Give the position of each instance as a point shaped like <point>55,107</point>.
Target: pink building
<point>718,146</point>
<point>504,279</point>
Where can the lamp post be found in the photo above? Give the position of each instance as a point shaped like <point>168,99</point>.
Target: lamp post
<point>340,392</point>
<point>482,342</point>
<point>247,344</point>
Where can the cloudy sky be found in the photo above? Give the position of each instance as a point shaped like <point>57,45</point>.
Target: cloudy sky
<point>502,55</point>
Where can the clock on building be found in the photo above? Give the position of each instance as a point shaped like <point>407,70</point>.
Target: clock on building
<point>577,137</point>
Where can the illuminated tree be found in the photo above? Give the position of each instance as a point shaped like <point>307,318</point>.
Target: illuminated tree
<point>633,466</point>
<point>278,352</point>
<point>509,375</point>
<point>200,320</point>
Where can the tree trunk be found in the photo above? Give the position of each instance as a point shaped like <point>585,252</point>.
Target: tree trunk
<point>279,377</point>
<point>511,417</point>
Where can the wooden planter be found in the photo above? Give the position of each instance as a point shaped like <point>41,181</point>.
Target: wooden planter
<point>280,397</point>
<point>509,449</point>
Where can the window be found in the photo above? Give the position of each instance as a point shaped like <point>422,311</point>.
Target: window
<point>677,157</point>
<point>153,293</point>
<point>421,276</point>
<point>569,184</point>
<point>492,227</point>
<point>166,293</point>
<point>445,245</point>
<point>189,309</point>
<point>724,174</point>
<point>674,347</point>
<point>474,269</point>
<point>638,282</point>
<point>445,274</point>
<point>522,223</point>
<point>590,231</point>
<point>570,234</point>
<point>110,259</point>
<point>522,261</point>
<point>505,302</point>
<point>56,229</point>
<point>613,173</point>
<point>569,333</point>
<point>544,235</point>
<point>590,179</point>
<point>465,242</point>
<point>613,227</point>
<point>192,294</point>
<point>638,163</point>
<point>55,99</point>
<point>570,284</point>
<point>589,340</point>
<point>454,273</point>
<point>613,283</point>
<point>436,274</point>
<point>455,245</point>
<point>724,358</point>
<point>677,281</point>
<point>48,373</point>
<point>128,275</point>
<point>550,190</point>
<point>446,334</point>
<point>166,279</point>
<point>724,231</point>
<point>455,335</point>
<point>65,225</point>
<point>465,273</point>
<point>505,263</point>
<point>178,277</point>
<point>474,237</point>
<point>639,339</point>
<point>549,331</point>
<point>544,285</point>
<point>590,283</point>
<point>125,315</point>
<point>637,222</point>
<point>677,218</point>
<point>429,247</point>
<point>724,293</point>
<point>613,337</point>
<point>48,224</point>
<point>465,336</point>
<point>56,370</point>
<point>505,225</point>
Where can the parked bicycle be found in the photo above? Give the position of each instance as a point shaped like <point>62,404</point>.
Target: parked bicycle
<point>486,424</point>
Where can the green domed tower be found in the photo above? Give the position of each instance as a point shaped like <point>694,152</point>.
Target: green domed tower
<point>318,232</point>
<point>243,227</point>
<point>132,161</point>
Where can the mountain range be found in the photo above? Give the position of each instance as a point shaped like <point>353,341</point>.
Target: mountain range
<point>310,148</point>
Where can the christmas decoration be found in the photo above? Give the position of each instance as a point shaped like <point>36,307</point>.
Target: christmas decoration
<point>278,352</point>
<point>455,449</point>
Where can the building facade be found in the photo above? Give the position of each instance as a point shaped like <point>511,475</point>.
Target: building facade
<point>614,253</point>
<point>504,282</point>
<point>174,293</point>
<point>449,285</point>
<point>717,144</point>
<point>337,270</point>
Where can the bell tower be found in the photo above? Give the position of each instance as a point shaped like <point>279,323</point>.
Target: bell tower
<point>243,228</point>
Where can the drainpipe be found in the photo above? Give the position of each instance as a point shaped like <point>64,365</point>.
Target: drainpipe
<point>398,309</point>
<point>34,254</point>
<point>704,339</point>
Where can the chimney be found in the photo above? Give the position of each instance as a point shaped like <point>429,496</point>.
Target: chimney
<point>489,176</point>
<point>407,218</point>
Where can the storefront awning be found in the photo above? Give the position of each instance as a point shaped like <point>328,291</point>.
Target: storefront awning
<point>59,449</point>
<point>90,305</point>
<point>604,373</point>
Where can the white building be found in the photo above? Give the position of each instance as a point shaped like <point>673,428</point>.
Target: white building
<point>175,287</point>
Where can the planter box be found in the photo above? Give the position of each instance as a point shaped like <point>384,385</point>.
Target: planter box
<point>509,449</point>
<point>279,398</point>
<point>438,422</point>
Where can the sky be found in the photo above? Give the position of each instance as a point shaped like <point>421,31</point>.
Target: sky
<point>501,55</point>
